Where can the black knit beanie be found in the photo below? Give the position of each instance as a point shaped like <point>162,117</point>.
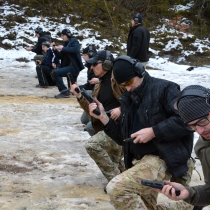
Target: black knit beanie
<point>138,16</point>
<point>66,32</point>
<point>193,107</point>
<point>123,71</point>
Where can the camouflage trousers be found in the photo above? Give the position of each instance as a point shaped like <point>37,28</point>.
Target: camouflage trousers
<point>127,192</point>
<point>106,153</point>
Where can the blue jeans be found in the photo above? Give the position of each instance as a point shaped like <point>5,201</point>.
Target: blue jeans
<point>58,75</point>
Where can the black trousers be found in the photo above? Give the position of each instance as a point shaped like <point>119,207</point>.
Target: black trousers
<point>44,76</point>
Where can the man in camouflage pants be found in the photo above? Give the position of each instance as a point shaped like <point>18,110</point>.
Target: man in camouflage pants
<point>102,149</point>
<point>160,146</point>
<point>149,167</point>
<point>106,153</point>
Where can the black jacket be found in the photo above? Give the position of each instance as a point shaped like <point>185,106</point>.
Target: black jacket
<point>38,47</point>
<point>70,54</point>
<point>90,75</point>
<point>50,58</point>
<point>155,99</point>
<point>138,43</point>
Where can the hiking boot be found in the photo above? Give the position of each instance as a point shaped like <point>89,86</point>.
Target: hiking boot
<point>63,95</point>
<point>198,207</point>
<point>105,190</point>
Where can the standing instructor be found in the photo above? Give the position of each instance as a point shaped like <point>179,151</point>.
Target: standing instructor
<point>138,40</point>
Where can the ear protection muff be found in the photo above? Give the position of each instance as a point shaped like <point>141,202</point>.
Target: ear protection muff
<point>194,92</point>
<point>38,30</point>
<point>90,51</point>
<point>68,33</point>
<point>107,64</point>
<point>137,66</point>
<point>136,18</point>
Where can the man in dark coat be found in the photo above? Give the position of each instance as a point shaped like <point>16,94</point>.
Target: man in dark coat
<point>71,62</point>
<point>45,68</point>
<point>42,37</point>
<point>160,146</point>
<point>138,40</point>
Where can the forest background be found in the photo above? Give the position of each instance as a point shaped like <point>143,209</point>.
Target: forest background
<point>111,19</point>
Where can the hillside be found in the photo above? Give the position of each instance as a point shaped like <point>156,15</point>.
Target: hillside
<point>182,23</point>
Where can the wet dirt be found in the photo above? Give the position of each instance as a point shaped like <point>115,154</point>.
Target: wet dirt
<point>43,163</point>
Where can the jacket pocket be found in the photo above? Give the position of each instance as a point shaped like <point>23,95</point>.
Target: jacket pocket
<point>155,115</point>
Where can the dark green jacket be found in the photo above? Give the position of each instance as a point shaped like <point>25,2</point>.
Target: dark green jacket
<point>200,195</point>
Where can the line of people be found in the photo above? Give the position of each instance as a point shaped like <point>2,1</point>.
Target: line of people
<point>141,109</point>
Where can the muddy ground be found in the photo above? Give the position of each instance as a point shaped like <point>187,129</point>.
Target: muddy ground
<point>43,164</point>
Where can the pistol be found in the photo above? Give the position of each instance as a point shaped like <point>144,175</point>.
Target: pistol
<point>129,140</point>
<point>69,75</point>
<point>157,185</point>
<point>108,113</point>
<point>91,100</point>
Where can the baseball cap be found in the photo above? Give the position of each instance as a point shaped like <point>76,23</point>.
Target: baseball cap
<point>100,55</point>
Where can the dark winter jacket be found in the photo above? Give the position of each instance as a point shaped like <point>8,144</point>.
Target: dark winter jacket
<point>70,54</point>
<point>138,43</point>
<point>199,195</point>
<point>38,47</point>
<point>50,58</point>
<point>155,101</point>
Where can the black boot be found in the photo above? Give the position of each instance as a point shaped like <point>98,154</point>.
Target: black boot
<point>198,207</point>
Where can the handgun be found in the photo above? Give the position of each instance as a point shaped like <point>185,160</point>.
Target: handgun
<point>91,100</point>
<point>108,113</point>
<point>129,139</point>
<point>157,185</point>
<point>69,75</point>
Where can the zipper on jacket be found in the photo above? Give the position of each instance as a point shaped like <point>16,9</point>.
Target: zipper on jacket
<point>147,115</point>
<point>123,117</point>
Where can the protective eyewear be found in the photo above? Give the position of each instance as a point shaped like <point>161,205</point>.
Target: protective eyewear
<point>202,123</point>
<point>128,83</point>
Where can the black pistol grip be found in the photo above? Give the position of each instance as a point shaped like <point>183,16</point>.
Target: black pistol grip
<point>177,192</point>
<point>69,75</point>
<point>77,89</point>
<point>96,111</point>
